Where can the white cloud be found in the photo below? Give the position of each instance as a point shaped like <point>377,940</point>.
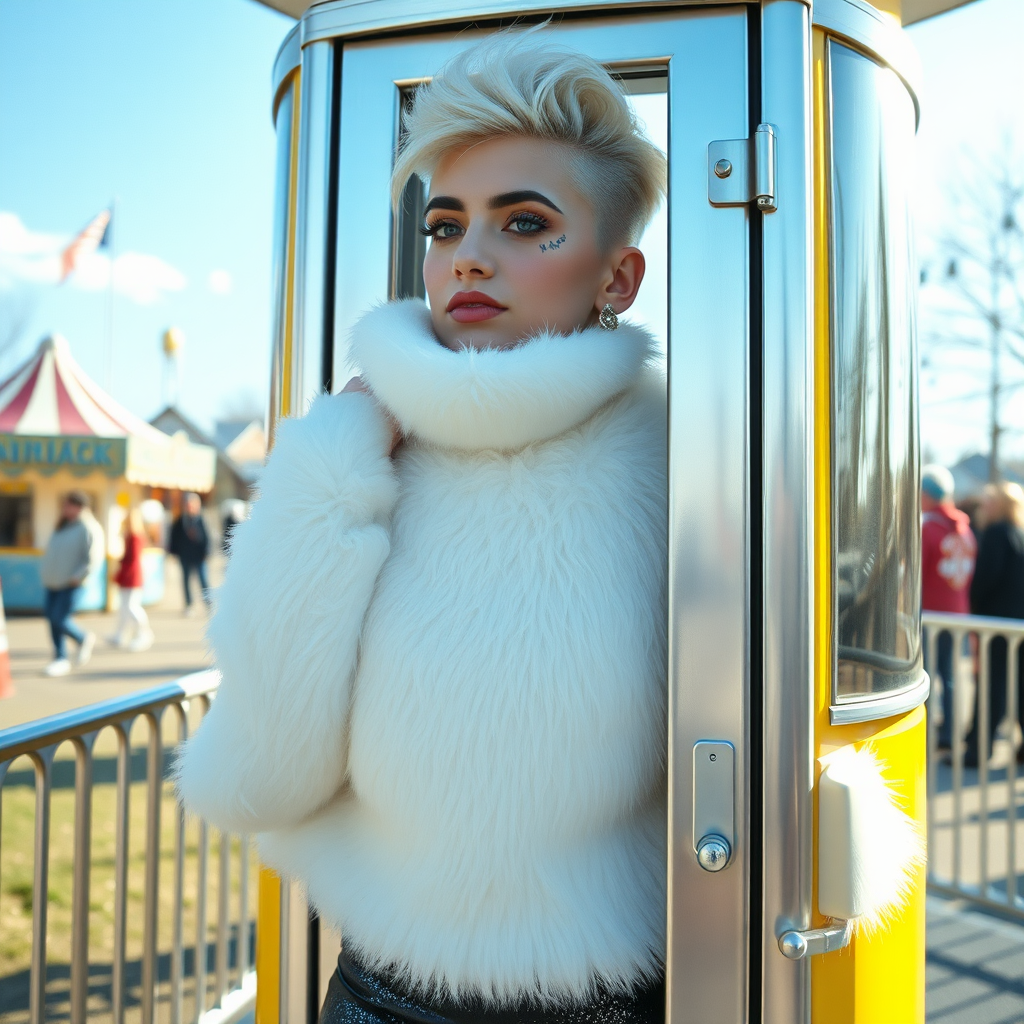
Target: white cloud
<point>219,282</point>
<point>34,257</point>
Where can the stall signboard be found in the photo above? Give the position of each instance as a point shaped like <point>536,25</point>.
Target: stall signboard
<point>47,455</point>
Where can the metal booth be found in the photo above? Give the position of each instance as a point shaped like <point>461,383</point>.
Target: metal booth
<point>784,295</point>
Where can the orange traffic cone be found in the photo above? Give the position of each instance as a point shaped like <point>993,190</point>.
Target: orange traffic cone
<point>6,683</point>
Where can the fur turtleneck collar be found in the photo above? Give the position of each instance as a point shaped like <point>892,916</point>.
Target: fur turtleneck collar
<point>503,399</point>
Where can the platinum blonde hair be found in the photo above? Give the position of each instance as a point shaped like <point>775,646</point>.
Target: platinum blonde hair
<point>514,84</point>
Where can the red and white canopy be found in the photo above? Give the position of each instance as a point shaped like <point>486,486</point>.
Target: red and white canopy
<point>50,395</point>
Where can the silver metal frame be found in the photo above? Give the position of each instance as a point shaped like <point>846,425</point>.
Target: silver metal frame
<point>289,57</point>
<point>787,503</point>
<point>234,993</point>
<point>312,231</point>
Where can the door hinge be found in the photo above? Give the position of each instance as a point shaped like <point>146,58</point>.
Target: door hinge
<point>742,171</point>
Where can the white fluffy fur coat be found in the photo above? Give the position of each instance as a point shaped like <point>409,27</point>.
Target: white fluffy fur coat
<point>443,674</point>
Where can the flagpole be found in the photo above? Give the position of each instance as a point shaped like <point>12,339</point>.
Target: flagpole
<point>112,227</point>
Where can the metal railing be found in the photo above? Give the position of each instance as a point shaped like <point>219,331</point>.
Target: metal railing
<point>220,995</point>
<point>975,837</point>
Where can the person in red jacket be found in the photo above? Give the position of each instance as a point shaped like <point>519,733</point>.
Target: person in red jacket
<point>948,553</point>
<point>129,579</point>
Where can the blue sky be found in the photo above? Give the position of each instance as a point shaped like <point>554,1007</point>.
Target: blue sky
<point>165,104</point>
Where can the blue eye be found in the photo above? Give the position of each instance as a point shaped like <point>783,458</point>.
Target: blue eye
<point>441,229</point>
<point>527,223</point>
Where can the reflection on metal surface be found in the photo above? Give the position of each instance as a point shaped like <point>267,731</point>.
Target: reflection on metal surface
<point>884,705</point>
<point>877,524</point>
<point>280,371</point>
<point>346,18</point>
<point>786,506</point>
<point>875,32</point>
<point>796,945</point>
<point>289,56</point>
<point>312,230</point>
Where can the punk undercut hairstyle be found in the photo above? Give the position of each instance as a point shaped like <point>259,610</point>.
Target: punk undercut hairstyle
<point>515,84</point>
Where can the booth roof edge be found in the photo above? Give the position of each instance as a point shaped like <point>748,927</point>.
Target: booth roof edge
<point>914,11</point>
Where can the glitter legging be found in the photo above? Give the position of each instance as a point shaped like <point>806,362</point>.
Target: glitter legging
<point>356,995</point>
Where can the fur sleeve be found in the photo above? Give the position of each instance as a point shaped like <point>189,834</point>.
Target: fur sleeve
<point>273,747</point>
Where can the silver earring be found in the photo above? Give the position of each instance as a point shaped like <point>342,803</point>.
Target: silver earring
<point>607,318</point>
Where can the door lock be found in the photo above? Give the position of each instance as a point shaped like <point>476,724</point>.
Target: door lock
<point>713,803</point>
<point>713,853</point>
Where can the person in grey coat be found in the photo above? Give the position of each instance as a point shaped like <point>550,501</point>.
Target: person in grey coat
<point>74,549</point>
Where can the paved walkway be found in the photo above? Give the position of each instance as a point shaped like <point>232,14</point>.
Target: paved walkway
<point>975,966</point>
<point>179,648</point>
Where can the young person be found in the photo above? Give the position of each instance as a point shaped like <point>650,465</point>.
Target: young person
<point>442,632</point>
<point>132,616</point>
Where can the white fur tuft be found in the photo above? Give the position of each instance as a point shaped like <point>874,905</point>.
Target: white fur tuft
<point>869,848</point>
<point>503,399</point>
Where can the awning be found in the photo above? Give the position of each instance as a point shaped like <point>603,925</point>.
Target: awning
<point>53,416</point>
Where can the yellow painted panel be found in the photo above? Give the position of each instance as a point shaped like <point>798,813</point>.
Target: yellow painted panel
<point>879,978</point>
<point>268,949</point>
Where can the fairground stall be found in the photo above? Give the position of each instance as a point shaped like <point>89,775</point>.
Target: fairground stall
<point>60,431</point>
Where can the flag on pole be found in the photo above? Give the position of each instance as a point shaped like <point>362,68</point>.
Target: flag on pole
<point>86,241</point>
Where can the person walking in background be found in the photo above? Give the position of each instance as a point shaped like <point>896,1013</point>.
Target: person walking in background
<point>190,543</point>
<point>998,590</point>
<point>75,548</point>
<point>948,552</point>
<point>129,578</point>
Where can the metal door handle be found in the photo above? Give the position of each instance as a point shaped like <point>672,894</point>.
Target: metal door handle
<point>796,945</point>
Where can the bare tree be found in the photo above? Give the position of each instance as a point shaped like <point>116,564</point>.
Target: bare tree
<point>980,269</point>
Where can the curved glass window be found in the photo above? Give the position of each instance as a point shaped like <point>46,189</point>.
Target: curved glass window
<point>876,515</point>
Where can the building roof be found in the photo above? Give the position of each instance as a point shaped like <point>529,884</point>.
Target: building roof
<point>171,420</point>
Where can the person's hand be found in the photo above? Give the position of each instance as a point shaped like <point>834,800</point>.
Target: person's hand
<point>358,384</point>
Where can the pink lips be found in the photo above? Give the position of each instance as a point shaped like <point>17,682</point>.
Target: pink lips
<point>472,307</point>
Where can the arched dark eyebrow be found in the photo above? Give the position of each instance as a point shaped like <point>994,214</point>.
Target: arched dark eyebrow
<point>494,203</point>
<point>444,203</point>
<point>520,196</point>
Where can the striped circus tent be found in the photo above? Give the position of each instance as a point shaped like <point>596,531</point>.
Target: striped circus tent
<point>53,416</point>
<point>50,394</point>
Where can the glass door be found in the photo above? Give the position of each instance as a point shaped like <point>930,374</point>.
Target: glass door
<point>686,72</point>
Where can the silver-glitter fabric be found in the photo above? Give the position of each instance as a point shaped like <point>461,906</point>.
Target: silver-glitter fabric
<point>356,995</point>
